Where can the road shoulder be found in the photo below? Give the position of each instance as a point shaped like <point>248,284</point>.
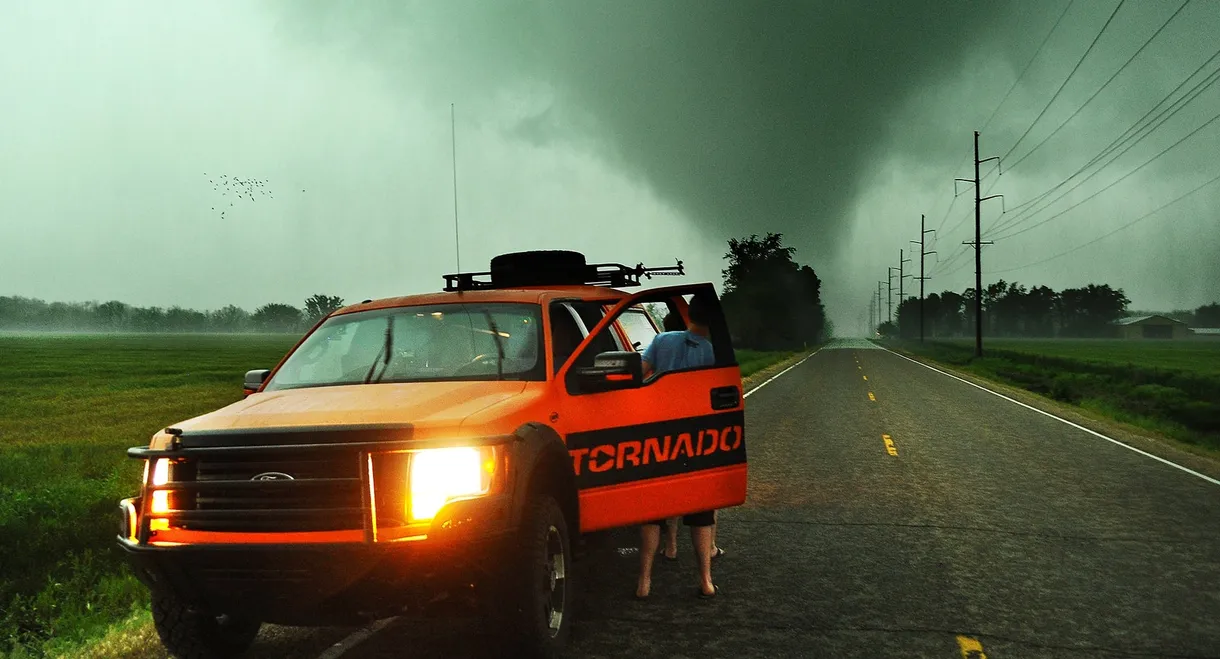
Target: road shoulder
<point>756,378</point>
<point>1134,436</point>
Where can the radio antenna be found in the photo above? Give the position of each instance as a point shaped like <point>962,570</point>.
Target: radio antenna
<point>457,242</point>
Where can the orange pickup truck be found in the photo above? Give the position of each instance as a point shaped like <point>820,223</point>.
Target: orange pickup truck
<point>448,445</point>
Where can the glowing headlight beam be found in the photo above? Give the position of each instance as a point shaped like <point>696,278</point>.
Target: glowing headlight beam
<point>440,475</point>
<point>160,476</point>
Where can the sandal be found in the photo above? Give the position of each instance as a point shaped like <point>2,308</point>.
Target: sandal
<point>718,553</point>
<point>712,595</point>
<point>671,559</point>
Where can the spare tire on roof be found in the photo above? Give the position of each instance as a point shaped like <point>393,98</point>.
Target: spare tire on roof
<point>538,268</point>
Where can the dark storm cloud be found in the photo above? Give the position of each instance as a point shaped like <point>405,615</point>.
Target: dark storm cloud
<point>748,116</point>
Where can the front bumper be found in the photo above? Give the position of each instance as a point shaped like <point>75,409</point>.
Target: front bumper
<point>317,584</point>
<point>328,583</point>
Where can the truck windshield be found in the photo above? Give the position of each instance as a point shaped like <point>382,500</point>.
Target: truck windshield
<point>420,343</point>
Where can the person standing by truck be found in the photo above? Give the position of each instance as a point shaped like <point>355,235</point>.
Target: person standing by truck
<point>673,351</point>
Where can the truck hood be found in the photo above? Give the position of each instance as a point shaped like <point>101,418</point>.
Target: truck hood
<point>423,405</point>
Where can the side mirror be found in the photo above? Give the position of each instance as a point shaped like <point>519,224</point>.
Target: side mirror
<point>254,380</point>
<point>610,371</point>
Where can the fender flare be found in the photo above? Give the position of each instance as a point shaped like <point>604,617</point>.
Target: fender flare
<point>540,462</point>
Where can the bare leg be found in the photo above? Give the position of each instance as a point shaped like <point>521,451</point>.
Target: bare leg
<point>671,538</point>
<point>650,539</point>
<point>715,523</point>
<point>701,537</point>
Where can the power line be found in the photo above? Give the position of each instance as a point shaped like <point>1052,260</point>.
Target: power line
<point>1066,80</point>
<point>1128,133</point>
<point>965,159</point>
<point>1021,76</point>
<point>962,250</point>
<point>1101,88</point>
<point>1115,182</point>
<point>1029,212</point>
<point>1111,233</point>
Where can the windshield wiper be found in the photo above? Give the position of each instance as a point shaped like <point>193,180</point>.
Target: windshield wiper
<point>386,348</point>
<point>495,334</point>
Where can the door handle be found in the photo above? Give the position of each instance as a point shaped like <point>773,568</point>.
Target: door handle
<point>725,398</point>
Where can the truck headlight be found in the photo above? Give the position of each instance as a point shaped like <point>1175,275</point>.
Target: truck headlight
<point>438,476</point>
<point>160,476</point>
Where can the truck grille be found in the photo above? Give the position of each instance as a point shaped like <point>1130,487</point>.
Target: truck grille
<point>275,491</point>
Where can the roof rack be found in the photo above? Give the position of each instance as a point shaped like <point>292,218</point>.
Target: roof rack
<point>615,275</point>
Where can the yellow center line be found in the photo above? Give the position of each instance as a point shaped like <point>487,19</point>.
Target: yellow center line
<point>889,445</point>
<point>872,397</point>
<point>970,647</point>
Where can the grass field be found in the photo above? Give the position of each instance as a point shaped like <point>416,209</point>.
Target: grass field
<point>70,405</point>
<point>1199,356</point>
<point>1169,387</point>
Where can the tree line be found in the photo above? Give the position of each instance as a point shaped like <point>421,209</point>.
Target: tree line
<point>770,301</point>
<point>1011,309</point>
<point>29,314</point>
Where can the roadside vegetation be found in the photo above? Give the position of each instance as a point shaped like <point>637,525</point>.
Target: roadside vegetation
<point>69,408</point>
<point>1169,387</point>
<point>753,361</point>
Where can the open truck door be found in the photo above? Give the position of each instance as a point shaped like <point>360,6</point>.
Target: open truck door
<point>646,449</point>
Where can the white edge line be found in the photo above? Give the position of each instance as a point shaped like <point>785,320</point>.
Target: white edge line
<point>1077,426</point>
<point>747,394</point>
<point>355,638</point>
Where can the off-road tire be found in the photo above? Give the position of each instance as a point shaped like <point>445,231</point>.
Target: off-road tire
<point>524,609</point>
<point>191,634</point>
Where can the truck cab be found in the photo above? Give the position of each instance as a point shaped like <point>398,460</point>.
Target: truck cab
<point>449,446</point>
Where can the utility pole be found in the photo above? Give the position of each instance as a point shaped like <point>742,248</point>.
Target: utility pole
<point>871,301</point>
<point>878,305</point>
<point>889,295</point>
<point>923,233</point>
<point>901,277</point>
<point>978,246</point>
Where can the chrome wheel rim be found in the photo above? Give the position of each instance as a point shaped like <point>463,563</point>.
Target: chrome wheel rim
<point>555,581</point>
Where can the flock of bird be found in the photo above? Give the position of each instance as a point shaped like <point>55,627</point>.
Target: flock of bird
<point>233,188</point>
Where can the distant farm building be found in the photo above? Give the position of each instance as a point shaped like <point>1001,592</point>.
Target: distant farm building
<point>1206,332</point>
<point>1152,327</point>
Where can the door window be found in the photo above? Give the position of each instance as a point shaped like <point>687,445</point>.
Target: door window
<point>638,327</point>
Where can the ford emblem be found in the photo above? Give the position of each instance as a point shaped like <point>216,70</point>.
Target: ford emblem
<point>272,476</point>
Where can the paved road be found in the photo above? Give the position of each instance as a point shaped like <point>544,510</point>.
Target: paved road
<point>982,529</point>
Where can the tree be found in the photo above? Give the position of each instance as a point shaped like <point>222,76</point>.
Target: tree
<point>1208,315</point>
<point>907,317</point>
<point>276,317</point>
<point>229,319</point>
<point>1091,311</point>
<point>318,306</point>
<point>112,315</point>
<point>770,301</point>
<point>1039,311</point>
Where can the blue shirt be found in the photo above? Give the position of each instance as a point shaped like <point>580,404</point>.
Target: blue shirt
<point>672,351</point>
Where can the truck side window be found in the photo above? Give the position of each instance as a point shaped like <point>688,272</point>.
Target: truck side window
<point>638,328</point>
<point>591,313</point>
<point>565,335</point>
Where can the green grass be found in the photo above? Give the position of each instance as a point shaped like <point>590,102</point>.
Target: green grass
<point>753,361</point>
<point>1199,356</point>
<point>69,407</point>
<point>1169,387</point>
